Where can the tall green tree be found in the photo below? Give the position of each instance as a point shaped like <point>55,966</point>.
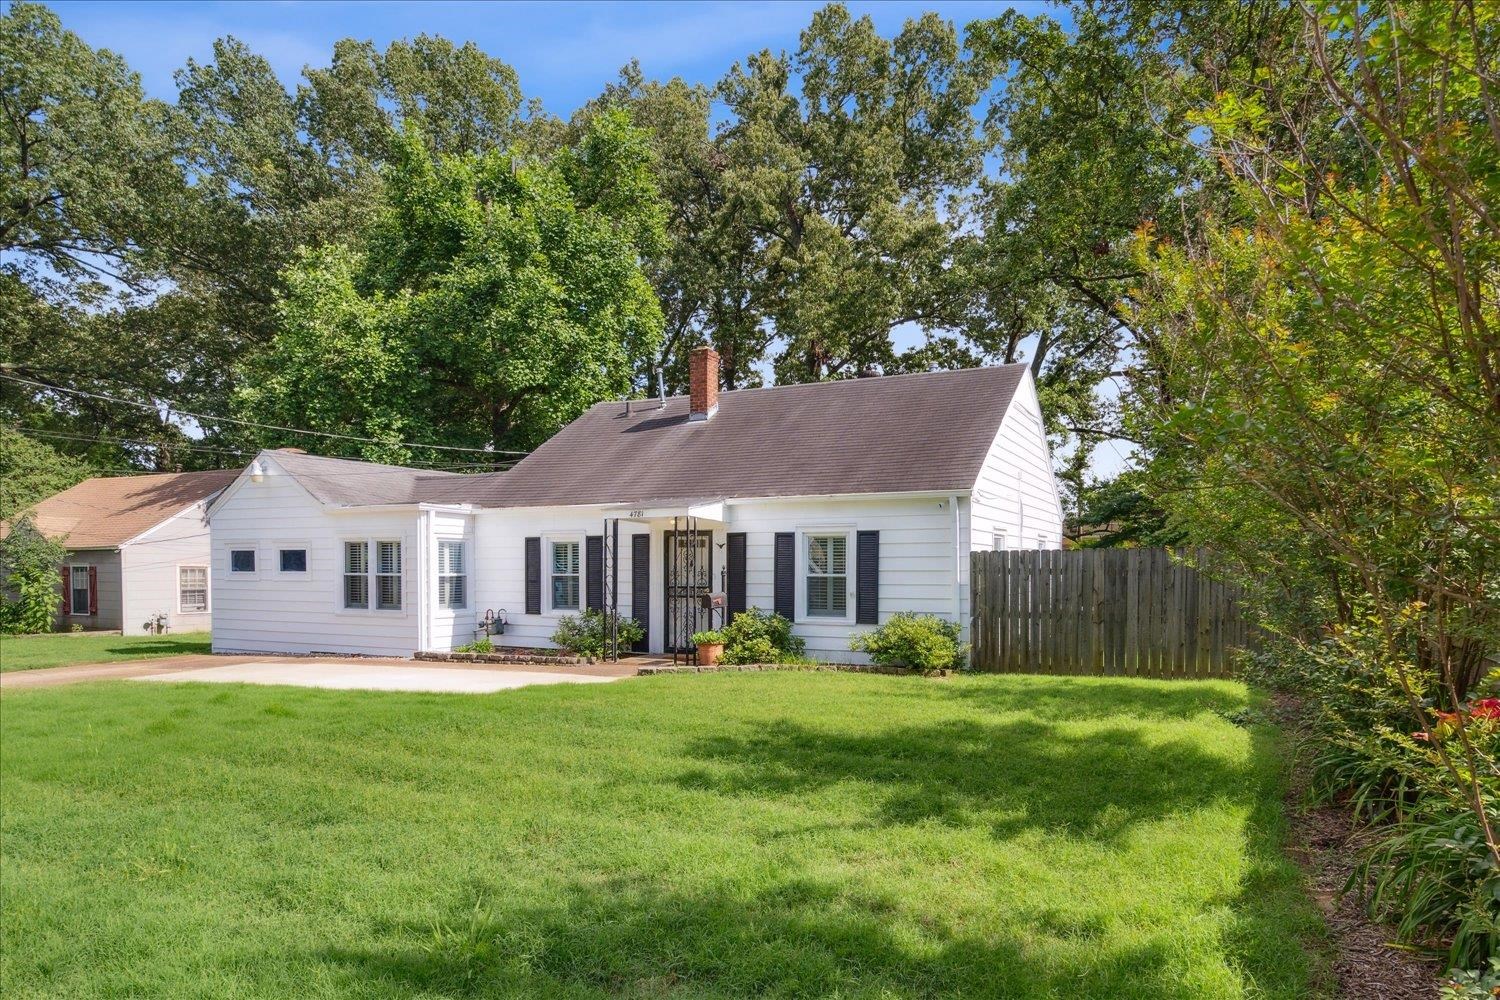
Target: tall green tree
<point>31,471</point>
<point>492,300</point>
<point>1322,395</point>
<point>843,159</point>
<point>709,274</point>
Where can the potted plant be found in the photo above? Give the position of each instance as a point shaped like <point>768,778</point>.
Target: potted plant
<point>710,647</point>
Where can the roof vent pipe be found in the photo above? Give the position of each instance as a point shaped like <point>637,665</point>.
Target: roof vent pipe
<point>661,386</point>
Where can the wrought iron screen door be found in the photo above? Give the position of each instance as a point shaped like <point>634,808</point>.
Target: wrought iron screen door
<point>689,575</point>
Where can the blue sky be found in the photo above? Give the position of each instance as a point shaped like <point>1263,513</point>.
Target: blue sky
<point>564,52</point>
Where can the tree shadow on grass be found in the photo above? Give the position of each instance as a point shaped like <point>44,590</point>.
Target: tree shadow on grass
<point>1095,697</point>
<point>798,938</point>
<point>1008,776</point>
<point>809,933</point>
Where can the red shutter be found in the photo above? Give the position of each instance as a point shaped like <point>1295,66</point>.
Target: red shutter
<point>93,590</point>
<point>67,581</point>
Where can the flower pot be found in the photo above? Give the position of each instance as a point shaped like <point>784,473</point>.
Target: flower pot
<point>709,653</point>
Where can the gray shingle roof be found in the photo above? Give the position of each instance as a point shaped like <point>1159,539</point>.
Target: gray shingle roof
<point>899,433</point>
<point>344,482</point>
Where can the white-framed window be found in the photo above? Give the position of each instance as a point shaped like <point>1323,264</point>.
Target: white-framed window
<point>78,583</point>
<point>1041,541</point>
<point>293,561</point>
<point>826,575</point>
<point>242,560</point>
<point>999,539</point>
<point>388,576</point>
<point>564,574</point>
<point>453,584</point>
<point>192,589</point>
<point>356,574</point>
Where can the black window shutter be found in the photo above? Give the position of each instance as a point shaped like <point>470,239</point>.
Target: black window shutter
<point>734,569</point>
<point>867,578</point>
<point>533,576</point>
<point>593,572</point>
<point>784,576</point>
<point>640,587</point>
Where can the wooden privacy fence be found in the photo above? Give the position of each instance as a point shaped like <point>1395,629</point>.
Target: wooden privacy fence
<point>1124,612</point>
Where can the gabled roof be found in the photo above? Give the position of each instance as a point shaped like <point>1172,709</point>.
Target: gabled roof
<point>105,512</point>
<point>893,434</point>
<point>344,482</point>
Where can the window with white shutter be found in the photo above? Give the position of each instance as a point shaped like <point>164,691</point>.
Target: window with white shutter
<point>388,576</point>
<point>827,576</point>
<point>452,582</point>
<point>565,576</point>
<point>356,575</point>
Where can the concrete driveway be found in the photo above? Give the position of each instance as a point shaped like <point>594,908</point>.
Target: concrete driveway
<point>324,672</point>
<point>354,675</point>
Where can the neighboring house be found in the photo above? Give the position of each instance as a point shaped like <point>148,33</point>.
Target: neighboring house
<point>834,503</point>
<point>137,547</point>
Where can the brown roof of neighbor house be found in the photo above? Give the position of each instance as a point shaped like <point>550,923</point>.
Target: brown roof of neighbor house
<point>898,433</point>
<point>105,512</point>
<point>345,482</point>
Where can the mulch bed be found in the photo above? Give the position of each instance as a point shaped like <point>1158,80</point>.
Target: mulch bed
<point>1325,841</point>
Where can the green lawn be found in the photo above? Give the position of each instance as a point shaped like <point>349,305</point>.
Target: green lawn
<point>780,834</point>
<point>30,652</point>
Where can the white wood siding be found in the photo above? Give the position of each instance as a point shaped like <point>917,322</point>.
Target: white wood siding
<point>149,567</point>
<point>451,627</point>
<point>1016,491</point>
<point>271,611</point>
<point>500,558</point>
<point>923,561</point>
<point>107,572</point>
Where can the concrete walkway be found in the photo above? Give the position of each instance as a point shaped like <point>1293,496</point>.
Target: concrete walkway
<point>353,675</point>
<point>326,672</point>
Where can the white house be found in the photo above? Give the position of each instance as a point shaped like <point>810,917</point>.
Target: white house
<point>136,550</point>
<point>834,503</point>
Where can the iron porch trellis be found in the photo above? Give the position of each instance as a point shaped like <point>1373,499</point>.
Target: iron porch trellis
<point>687,582</point>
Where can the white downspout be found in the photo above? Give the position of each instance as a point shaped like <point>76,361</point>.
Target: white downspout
<point>958,563</point>
<point>424,597</point>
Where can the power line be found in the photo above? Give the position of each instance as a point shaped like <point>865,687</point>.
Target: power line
<point>138,442</point>
<point>251,423</point>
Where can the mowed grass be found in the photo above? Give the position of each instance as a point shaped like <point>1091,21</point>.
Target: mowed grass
<point>782,834</point>
<point>31,652</point>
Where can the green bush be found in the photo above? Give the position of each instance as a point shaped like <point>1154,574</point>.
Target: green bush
<point>1424,867</point>
<point>477,646</point>
<point>920,642</point>
<point>30,579</point>
<point>756,636</point>
<point>710,638</point>
<point>588,634</point>
<point>1474,984</point>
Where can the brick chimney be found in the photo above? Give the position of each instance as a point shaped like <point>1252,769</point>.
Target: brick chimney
<point>703,383</point>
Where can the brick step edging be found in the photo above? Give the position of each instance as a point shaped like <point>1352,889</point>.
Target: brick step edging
<point>847,668</point>
<point>530,659</point>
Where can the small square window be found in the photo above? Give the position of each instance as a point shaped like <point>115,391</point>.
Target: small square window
<point>242,560</point>
<point>294,560</point>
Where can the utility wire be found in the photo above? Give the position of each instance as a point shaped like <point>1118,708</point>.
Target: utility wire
<point>250,423</point>
<point>138,442</point>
